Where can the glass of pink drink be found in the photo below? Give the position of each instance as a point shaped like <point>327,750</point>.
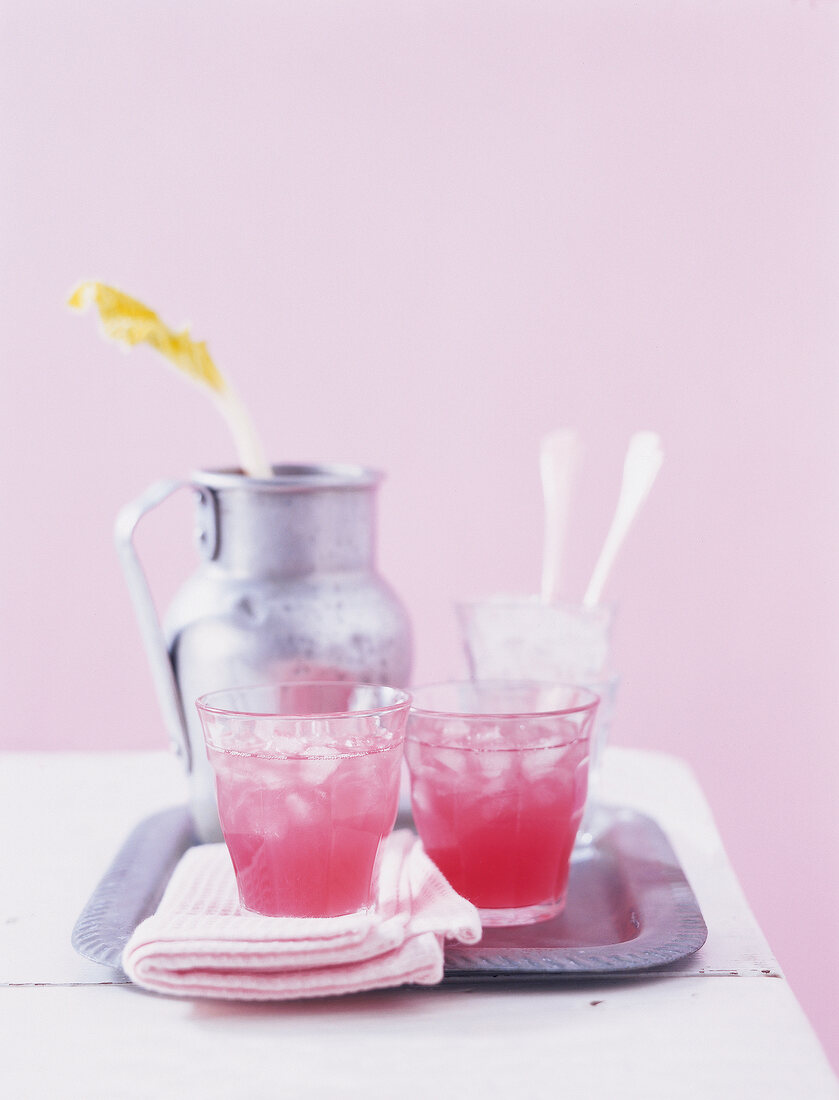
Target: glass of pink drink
<point>307,780</point>
<point>499,772</point>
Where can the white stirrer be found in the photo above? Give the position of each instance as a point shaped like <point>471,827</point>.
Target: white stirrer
<point>641,465</point>
<point>559,457</point>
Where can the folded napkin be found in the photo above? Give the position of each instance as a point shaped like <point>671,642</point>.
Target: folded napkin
<point>201,943</point>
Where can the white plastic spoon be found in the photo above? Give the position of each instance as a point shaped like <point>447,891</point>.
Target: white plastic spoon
<point>559,458</point>
<point>640,469</point>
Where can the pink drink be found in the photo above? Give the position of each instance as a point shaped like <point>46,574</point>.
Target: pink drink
<point>498,800</point>
<point>304,832</point>
<point>500,824</point>
<point>307,782</point>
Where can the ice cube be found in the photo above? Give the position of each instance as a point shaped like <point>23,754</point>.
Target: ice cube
<point>455,730</point>
<point>488,735</point>
<point>538,765</point>
<point>283,745</point>
<point>299,807</point>
<point>494,765</point>
<point>450,764</point>
<point>315,771</point>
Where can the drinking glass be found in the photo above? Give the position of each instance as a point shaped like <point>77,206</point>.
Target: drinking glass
<point>498,784</point>
<point>307,779</point>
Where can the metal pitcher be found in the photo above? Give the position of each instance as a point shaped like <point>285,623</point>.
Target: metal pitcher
<point>286,589</point>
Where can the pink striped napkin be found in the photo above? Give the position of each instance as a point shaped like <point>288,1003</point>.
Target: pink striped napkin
<point>201,943</point>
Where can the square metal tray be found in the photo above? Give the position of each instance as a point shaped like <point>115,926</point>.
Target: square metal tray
<point>630,908</point>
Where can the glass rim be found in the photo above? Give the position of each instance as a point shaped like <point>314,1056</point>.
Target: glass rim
<point>204,705</point>
<point>552,712</point>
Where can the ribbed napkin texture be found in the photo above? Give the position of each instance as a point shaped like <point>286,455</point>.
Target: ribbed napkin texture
<point>201,943</point>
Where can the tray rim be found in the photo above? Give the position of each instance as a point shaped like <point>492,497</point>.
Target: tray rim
<point>675,930</point>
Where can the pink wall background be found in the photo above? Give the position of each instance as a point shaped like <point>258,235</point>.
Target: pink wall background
<point>421,235</point>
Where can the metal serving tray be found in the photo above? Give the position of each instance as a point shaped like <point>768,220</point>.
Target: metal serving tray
<point>630,908</point>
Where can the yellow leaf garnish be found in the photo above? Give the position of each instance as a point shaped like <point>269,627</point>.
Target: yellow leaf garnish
<point>130,322</point>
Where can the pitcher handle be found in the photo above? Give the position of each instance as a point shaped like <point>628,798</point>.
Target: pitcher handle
<point>163,674</point>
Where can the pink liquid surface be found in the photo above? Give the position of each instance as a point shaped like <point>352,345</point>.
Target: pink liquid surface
<point>304,833</point>
<point>500,824</point>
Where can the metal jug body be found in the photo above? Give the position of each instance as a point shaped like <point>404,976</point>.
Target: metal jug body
<point>287,588</point>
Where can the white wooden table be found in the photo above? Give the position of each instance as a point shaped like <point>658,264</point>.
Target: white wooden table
<point>723,1023</point>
